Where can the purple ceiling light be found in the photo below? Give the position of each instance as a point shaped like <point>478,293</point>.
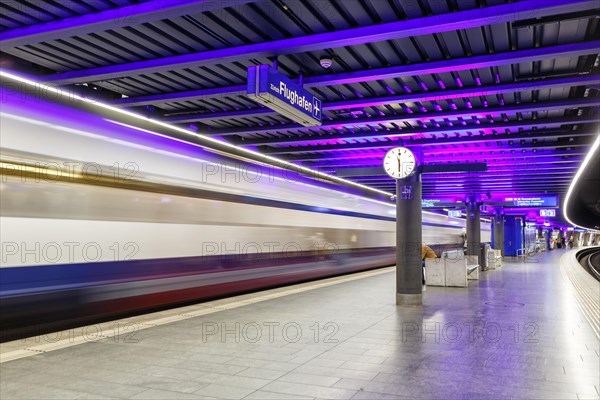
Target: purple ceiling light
<point>523,108</point>
<point>488,90</point>
<point>549,122</point>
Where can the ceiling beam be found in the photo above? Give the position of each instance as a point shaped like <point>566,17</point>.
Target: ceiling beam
<point>120,17</point>
<point>358,160</point>
<point>376,173</point>
<point>493,166</point>
<point>479,184</point>
<point>516,191</point>
<point>458,64</point>
<point>398,119</point>
<point>417,131</point>
<point>438,95</point>
<point>494,178</point>
<point>429,192</point>
<point>496,152</point>
<point>434,24</point>
<point>422,96</point>
<point>491,187</point>
<point>459,186</point>
<point>475,175</point>
<point>355,169</point>
<point>190,95</point>
<point>503,149</point>
<point>541,184</point>
<point>442,141</point>
<point>572,162</point>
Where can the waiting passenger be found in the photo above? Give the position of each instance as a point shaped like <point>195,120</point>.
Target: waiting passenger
<point>571,240</point>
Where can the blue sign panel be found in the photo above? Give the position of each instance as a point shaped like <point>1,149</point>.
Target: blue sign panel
<point>439,203</point>
<point>406,192</point>
<point>538,201</point>
<point>281,94</point>
<point>547,213</point>
<point>428,203</point>
<point>454,213</point>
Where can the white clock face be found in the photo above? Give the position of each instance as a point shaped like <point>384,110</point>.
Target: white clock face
<point>399,163</point>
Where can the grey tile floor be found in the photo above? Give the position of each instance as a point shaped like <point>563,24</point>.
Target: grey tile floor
<point>515,334</point>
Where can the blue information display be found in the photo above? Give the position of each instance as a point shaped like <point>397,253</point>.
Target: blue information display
<point>547,213</point>
<point>454,213</point>
<point>428,203</point>
<point>281,94</point>
<point>439,203</point>
<point>537,201</point>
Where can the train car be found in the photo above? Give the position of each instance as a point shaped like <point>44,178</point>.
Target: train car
<point>100,218</point>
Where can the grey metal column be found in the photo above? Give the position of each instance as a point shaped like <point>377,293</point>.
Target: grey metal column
<point>473,227</point>
<point>499,230</point>
<point>409,289</point>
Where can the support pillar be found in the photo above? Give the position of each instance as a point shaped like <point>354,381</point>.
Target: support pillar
<point>409,289</point>
<point>473,227</point>
<point>499,230</point>
<point>576,238</point>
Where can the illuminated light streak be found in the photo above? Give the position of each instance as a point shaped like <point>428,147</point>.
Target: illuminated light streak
<point>584,164</point>
<point>208,140</point>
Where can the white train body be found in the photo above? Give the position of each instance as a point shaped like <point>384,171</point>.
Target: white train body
<point>83,194</point>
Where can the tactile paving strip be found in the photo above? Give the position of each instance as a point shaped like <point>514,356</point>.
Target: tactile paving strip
<point>585,288</point>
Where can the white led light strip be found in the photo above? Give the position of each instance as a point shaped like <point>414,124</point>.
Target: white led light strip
<point>584,164</point>
<point>210,140</point>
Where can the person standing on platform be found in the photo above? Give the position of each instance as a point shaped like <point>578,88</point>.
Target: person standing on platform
<point>571,240</point>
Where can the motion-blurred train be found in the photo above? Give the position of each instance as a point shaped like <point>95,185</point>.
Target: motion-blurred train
<point>102,218</point>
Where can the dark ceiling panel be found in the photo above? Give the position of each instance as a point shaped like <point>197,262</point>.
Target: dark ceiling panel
<point>444,110</point>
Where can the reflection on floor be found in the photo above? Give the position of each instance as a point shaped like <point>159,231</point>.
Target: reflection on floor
<point>516,333</point>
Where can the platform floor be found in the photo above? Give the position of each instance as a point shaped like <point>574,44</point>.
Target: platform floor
<point>516,333</point>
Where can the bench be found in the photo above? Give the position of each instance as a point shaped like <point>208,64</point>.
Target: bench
<point>494,259</point>
<point>435,272</point>
<point>452,269</point>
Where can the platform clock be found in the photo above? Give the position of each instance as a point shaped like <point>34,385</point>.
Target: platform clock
<point>399,163</point>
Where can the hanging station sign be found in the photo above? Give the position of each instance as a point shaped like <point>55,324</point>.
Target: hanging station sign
<point>278,92</point>
<point>440,203</point>
<point>429,203</point>
<point>537,201</point>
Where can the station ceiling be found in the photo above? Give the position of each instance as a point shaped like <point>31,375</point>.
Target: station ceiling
<point>510,83</point>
